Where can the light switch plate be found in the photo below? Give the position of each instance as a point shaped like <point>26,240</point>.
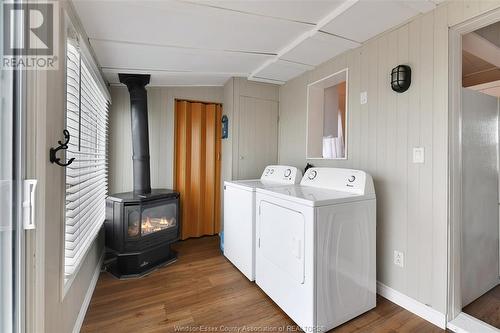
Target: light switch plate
<point>363,97</point>
<point>418,155</point>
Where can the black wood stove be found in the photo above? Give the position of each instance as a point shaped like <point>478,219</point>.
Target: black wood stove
<point>140,225</point>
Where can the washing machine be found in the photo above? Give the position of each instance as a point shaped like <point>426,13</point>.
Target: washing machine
<point>239,214</point>
<point>315,255</point>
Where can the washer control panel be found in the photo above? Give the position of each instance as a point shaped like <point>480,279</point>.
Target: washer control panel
<point>281,174</point>
<point>347,180</point>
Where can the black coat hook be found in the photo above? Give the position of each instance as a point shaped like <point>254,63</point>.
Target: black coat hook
<point>62,145</point>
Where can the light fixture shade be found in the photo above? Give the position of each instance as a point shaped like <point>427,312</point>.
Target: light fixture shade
<point>401,78</point>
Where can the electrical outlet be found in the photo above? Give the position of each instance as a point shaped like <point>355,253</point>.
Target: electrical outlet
<point>399,259</point>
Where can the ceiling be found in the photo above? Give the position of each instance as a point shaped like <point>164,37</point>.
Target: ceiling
<point>481,56</point>
<point>199,43</point>
<point>491,33</point>
<point>477,71</point>
<point>481,60</point>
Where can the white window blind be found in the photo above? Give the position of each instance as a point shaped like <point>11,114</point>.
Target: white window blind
<point>87,176</point>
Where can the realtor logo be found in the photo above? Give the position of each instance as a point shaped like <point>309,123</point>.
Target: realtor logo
<point>29,32</point>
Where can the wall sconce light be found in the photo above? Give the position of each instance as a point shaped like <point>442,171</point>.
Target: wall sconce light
<point>401,78</point>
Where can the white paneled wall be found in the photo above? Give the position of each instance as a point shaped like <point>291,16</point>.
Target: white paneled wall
<point>411,198</point>
<point>161,133</point>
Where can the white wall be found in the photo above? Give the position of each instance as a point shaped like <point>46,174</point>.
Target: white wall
<point>411,198</point>
<point>161,133</point>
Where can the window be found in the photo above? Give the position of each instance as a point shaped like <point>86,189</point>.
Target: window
<point>87,176</point>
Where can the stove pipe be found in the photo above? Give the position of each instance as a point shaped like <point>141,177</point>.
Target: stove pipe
<point>136,84</point>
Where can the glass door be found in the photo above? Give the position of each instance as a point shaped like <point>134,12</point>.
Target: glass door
<point>158,217</point>
<point>11,173</point>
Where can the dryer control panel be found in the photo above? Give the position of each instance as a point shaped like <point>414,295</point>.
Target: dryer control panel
<point>346,180</point>
<point>282,174</point>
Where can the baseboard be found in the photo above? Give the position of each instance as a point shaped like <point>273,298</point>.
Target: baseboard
<point>426,312</point>
<point>464,323</point>
<point>88,296</point>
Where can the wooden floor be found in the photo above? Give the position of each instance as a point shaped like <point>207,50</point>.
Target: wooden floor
<point>486,307</point>
<point>202,290</point>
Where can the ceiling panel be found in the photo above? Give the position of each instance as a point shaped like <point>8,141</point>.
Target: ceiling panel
<point>422,6</point>
<point>368,18</point>
<point>184,24</point>
<point>491,33</point>
<point>304,11</point>
<point>136,56</point>
<point>173,79</point>
<point>472,64</point>
<point>211,40</point>
<point>282,70</point>
<point>318,49</point>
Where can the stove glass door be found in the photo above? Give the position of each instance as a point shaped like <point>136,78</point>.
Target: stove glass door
<point>158,217</point>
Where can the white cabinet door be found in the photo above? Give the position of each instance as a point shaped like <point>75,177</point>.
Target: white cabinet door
<point>258,136</point>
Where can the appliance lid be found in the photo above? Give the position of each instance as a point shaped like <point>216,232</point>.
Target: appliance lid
<point>273,175</point>
<point>252,184</point>
<point>344,180</point>
<point>313,196</point>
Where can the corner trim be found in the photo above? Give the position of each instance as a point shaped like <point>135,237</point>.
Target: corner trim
<point>424,311</point>
<point>88,296</point>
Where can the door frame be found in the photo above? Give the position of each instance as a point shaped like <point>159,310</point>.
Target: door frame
<point>457,320</point>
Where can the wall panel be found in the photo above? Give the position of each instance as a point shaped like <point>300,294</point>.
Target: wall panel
<point>440,164</point>
<point>411,198</point>
<point>161,132</point>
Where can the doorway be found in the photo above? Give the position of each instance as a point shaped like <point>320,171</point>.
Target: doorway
<point>474,229</point>
<point>197,168</point>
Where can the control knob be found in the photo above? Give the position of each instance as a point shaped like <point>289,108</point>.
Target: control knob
<point>312,174</point>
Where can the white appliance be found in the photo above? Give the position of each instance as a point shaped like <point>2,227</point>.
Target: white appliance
<point>239,214</point>
<point>315,253</point>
